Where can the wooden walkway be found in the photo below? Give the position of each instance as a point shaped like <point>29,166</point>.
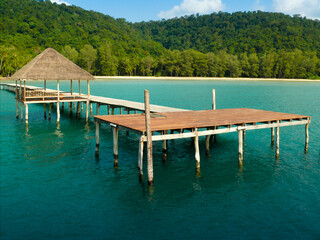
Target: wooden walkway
<point>113,103</point>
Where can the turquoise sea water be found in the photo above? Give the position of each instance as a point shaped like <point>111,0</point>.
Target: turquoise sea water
<point>53,187</point>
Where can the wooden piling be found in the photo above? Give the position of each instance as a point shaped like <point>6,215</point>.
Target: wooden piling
<point>164,147</point>
<point>196,148</point>
<point>21,112</point>
<point>98,108</point>
<point>240,137</point>
<point>44,111</point>
<point>112,110</point>
<point>97,137</point>
<point>278,142</point>
<point>26,114</point>
<point>272,136</point>
<point>108,106</point>
<point>17,112</point>
<point>71,88</point>
<point>58,103</point>
<point>307,137</point>
<point>140,157</point>
<point>91,110</point>
<point>213,99</point>
<point>208,146</point>
<point>87,110</point>
<point>81,106</point>
<point>62,107</point>
<point>70,108</point>
<point>78,110</point>
<point>149,136</point>
<point>17,102</point>
<point>115,146</point>
<point>50,106</point>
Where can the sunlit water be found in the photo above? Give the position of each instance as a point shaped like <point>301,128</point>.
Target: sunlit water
<point>52,187</point>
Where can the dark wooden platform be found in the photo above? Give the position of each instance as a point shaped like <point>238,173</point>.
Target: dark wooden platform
<point>199,119</point>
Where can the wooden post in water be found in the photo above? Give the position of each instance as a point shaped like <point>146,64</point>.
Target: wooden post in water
<point>17,102</point>
<point>50,106</point>
<point>97,137</point>
<point>307,137</point>
<point>149,136</point>
<point>70,108</point>
<point>81,106</point>
<point>208,144</point>
<point>78,110</point>
<point>112,110</point>
<point>164,147</point>
<point>278,141</point>
<point>79,88</point>
<point>214,106</point>
<point>91,110</point>
<point>108,106</point>
<point>21,112</point>
<point>272,136</point>
<point>98,108</point>
<point>24,91</point>
<point>44,111</point>
<point>240,137</point>
<point>140,157</point>
<point>87,110</point>
<point>26,113</point>
<point>115,146</point>
<point>71,87</point>
<point>58,103</point>
<point>197,151</point>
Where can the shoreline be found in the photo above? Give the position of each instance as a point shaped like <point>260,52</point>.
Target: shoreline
<point>202,79</point>
<point>3,79</point>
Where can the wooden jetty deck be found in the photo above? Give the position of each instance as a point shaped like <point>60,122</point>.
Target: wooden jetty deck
<point>194,124</point>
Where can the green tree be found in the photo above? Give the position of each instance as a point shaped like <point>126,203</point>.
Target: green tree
<point>88,54</point>
<point>70,53</point>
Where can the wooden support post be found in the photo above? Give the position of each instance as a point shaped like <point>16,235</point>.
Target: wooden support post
<point>115,146</point>
<point>78,110</point>
<point>213,99</point>
<point>21,112</point>
<point>98,108</point>
<point>87,110</point>
<point>140,158</point>
<point>71,87</point>
<point>17,102</point>
<point>97,137</point>
<point>91,111</point>
<point>26,113</point>
<point>149,136</point>
<point>272,136</point>
<point>81,106</point>
<point>208,146</point>
<point>24,91</point>
<point>44,111</point>
<point>164,147</point>
<point>240,136</point>
<point>244,134</point>
<point>128,112</point>
<point>20,91</point>
<point>45,85</point>
<point>278,142</point>
<point>79,88</point>
<point>112,110</point>
<point>62,107</point>
<point>196,148</point>
<point>74,105</point>
<point>50,106</point>
<point>108,109</point>
<point>307,137</point>
<point>58,103</point>
<point>70,108</point>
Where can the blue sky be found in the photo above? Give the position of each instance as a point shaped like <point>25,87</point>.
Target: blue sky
<point>145,10</point>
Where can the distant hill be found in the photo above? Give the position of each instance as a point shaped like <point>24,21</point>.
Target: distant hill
<point>237,32</point>
<point>242,44</point>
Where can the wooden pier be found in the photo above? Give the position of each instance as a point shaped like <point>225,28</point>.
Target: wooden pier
<point>194,124</point>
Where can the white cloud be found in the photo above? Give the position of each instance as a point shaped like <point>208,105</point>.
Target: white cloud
<point>307,8</point>
<point>60,2</point>
<point>188,7</point>
<point>258,6</point>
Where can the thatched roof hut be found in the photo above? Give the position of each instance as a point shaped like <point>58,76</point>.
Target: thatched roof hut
<point>51,65</point>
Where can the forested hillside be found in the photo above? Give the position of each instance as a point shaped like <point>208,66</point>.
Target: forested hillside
<point>252,44</point>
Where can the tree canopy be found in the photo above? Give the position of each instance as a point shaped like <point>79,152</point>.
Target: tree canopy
<point>242,44</point>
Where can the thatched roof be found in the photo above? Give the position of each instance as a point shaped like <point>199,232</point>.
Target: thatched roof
<point>51,65</point>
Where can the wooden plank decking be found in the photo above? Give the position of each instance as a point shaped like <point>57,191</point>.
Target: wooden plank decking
<point>199,119</point>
